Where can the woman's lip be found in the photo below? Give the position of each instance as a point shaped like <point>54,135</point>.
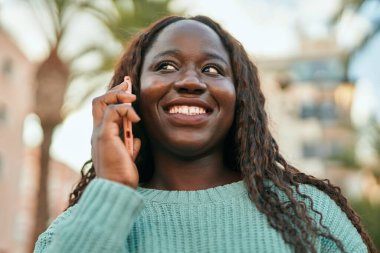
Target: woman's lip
<point>187,120</point>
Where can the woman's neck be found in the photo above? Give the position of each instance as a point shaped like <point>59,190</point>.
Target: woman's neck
<point>196,173</point>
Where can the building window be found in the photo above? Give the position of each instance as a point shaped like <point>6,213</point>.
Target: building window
<point>327,111</point>
<point>3,113</point>
<point>308,110</point>
<point>311,149</point>
<point>1,166</point>
<point>7,68</point>
<point>324,111</point>
<point>326,149</point>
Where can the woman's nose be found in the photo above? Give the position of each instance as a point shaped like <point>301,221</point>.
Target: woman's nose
<point>190,83</point>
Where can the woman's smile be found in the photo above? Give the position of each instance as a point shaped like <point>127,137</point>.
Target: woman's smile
<point>187,111</point>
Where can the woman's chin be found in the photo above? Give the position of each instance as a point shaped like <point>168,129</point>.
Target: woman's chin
<point>187,149</point>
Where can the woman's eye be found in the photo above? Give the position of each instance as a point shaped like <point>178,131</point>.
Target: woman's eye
<point>212,70</point>
<point>166,66</point>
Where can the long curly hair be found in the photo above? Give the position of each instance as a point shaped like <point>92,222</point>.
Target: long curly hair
<point>251,148</point>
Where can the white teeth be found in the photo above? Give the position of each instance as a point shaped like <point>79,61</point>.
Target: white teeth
<point>188,110</point>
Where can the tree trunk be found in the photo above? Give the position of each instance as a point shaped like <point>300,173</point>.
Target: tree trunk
<point>42,209</point>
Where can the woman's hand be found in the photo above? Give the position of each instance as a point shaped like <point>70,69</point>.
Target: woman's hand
<point>109,153</point>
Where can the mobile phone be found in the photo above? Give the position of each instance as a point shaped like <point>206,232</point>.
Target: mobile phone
<point>127,125</point>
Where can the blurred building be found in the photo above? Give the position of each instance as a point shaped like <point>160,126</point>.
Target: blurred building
<point>19,163</point>
<point>16,76</point>
<point>309,105</point>
<point>61,181</point>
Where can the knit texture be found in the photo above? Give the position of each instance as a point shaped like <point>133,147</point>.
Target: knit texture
<point>111,217</point>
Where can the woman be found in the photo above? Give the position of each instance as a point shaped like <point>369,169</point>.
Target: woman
<point>209,176</point>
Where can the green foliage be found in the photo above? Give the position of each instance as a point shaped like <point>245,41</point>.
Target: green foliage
<point>346,158</point>
<point>128,15</point>
<point>376,138</point>
<point>370,217</point>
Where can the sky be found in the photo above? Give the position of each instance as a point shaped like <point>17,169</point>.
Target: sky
<point>266,28</point>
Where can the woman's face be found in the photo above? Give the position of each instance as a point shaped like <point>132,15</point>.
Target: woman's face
<point>187,95</point>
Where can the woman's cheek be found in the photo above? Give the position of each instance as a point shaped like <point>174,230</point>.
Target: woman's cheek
<point>156,81</point>
<point>225,93</point>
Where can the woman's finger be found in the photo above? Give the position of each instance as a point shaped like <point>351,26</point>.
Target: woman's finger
<point>99,104</point>
<point>115,113</point>
<point>121,86</point>
<point>112,122</point>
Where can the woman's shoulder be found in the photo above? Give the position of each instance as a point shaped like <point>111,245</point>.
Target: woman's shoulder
<point>320,201</point>
<point>319,198</point>
<point>64,216</point>
<point>45,238</point>
<point>327,212</point>
<point>315,193</point>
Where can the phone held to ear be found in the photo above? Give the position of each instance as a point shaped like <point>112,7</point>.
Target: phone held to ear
<point>127,125</point>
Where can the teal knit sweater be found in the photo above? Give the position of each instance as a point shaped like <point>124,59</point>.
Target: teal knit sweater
<point>111,217</point>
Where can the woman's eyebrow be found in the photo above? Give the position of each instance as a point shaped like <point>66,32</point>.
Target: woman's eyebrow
<point>176,52</point>
<point>211,55</point>
<point>170,52</point>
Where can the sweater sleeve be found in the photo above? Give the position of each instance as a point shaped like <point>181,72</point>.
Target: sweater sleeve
<point>338,223</point>
<point>99,222</point>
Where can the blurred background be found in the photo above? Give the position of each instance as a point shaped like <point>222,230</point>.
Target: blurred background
<point>319,65</point>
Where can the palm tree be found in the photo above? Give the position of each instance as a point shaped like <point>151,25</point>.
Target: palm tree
<point>52,79</point>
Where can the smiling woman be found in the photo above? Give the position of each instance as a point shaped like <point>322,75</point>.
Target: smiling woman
<point>205,174</point>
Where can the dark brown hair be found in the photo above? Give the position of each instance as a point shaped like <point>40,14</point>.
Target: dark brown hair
<point>254,151</point>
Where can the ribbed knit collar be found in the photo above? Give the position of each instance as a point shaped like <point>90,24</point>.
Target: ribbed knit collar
<point>215,194</point>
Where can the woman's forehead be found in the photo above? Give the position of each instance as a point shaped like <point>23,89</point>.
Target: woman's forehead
<point>188,34</point>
